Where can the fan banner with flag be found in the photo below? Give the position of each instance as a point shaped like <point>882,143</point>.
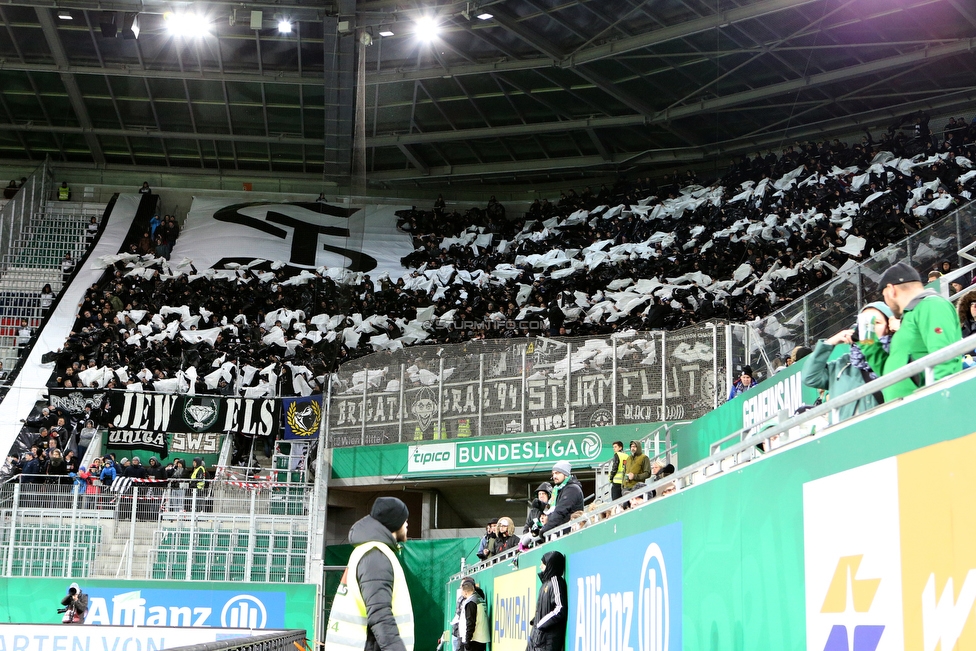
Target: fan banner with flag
<point>303,417</point>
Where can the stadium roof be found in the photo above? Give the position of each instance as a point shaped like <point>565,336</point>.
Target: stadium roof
<point>540,89</point>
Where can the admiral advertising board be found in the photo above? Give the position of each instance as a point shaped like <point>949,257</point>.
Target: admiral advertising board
<point>512,609</point>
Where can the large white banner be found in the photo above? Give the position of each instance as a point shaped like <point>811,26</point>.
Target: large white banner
<point>301,235</point>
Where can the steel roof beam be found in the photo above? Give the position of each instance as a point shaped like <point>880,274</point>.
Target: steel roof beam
<point>738,146</point>
<point>701,107</point>
<point>414,159</point>
<point>162,135</point>
<point>613,48</point>
<point>70,84</point>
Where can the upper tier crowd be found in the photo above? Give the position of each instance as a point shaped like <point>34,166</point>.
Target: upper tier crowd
<point>635,256</point>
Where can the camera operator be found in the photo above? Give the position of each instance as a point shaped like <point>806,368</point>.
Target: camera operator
<point>75,606</point>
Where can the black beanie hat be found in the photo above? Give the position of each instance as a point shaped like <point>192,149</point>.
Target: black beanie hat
<point>390,512</point>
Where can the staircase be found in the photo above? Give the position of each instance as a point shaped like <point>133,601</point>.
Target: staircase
<point>34,260</point>
<point>112,559</point>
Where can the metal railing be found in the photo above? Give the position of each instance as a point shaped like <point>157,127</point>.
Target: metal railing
<point>247,530</point>
<point>832,307</point>
<point>780,434</point>
<point>280,641</point>
<point>19,210</point>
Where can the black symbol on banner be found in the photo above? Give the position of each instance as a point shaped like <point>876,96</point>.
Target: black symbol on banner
<point>305,240</point>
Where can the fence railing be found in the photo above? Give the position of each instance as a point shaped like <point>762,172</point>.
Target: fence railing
<point>833,306</point>
<point>279,641</point>
<point>753,443</point>
<point>485,387</point>
<point>18,211</point>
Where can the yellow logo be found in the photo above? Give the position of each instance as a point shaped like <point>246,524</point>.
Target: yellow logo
<point>862,590</point>
<point>304,423</point>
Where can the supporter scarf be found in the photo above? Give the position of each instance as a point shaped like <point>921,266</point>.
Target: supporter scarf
<point>858,361</point>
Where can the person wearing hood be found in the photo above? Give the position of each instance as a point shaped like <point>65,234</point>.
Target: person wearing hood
<point>156,469</point>
<point>928,323</point>
<point>108,474</point>
<point>966,308</point>
<point>549,622</point>
<point>637,468</point>
<point>850,370</point>
<point>537,507</point>
<point>75,605</point>
<point>372,610</point>
<point>473,629</point>
<point>567,497</point>
<point>199,474</point>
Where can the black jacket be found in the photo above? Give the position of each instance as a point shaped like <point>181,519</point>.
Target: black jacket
<point>569,500</point>
<point>549,622</point>
<point>375,577</point>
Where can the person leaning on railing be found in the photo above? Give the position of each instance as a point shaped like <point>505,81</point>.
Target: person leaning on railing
<point>928,323</point>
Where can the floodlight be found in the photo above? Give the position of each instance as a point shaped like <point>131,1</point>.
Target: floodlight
<point>186,25</point>
<point>284,27</point>
<point>485,16</point>
<point>64,14</point>
<point>426,28</point>
<point>385,31</point>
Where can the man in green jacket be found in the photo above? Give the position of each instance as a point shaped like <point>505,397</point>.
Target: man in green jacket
<point>928,323</point>
<point>637,468</point>
<point>850,370</point>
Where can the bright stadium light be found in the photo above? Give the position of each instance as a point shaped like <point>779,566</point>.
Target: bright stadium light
<point>284,27</point>
<point>186,25</point>
<point>485,16</point>
<point>427,29</point>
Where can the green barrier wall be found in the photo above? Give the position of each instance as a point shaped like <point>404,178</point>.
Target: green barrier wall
<point>208,604</point>
<point>737,578</point>
<point>428,565</point>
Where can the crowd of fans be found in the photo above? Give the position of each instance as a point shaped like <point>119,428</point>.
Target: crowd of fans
<point>635,256</point>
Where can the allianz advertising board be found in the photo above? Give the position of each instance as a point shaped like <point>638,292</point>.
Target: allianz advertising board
<point>172,607</point>
<point>630,605</point>
<point>578,448</point>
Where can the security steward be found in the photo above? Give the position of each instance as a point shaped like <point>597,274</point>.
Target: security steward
<point>617,465</point>
<point>372,609</point>
<point>473,632</point>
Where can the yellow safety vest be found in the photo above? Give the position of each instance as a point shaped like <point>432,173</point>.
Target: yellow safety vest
<point>64,193</point>
<point>464,428</point>
<point>621,462</point>
<point>199,473</point>
<point>418,434</point>
<point>481,633</point>
<point>347,619</point>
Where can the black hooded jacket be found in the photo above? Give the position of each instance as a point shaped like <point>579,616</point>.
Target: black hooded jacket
<point>375,577</point>
<point>549,622</point>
